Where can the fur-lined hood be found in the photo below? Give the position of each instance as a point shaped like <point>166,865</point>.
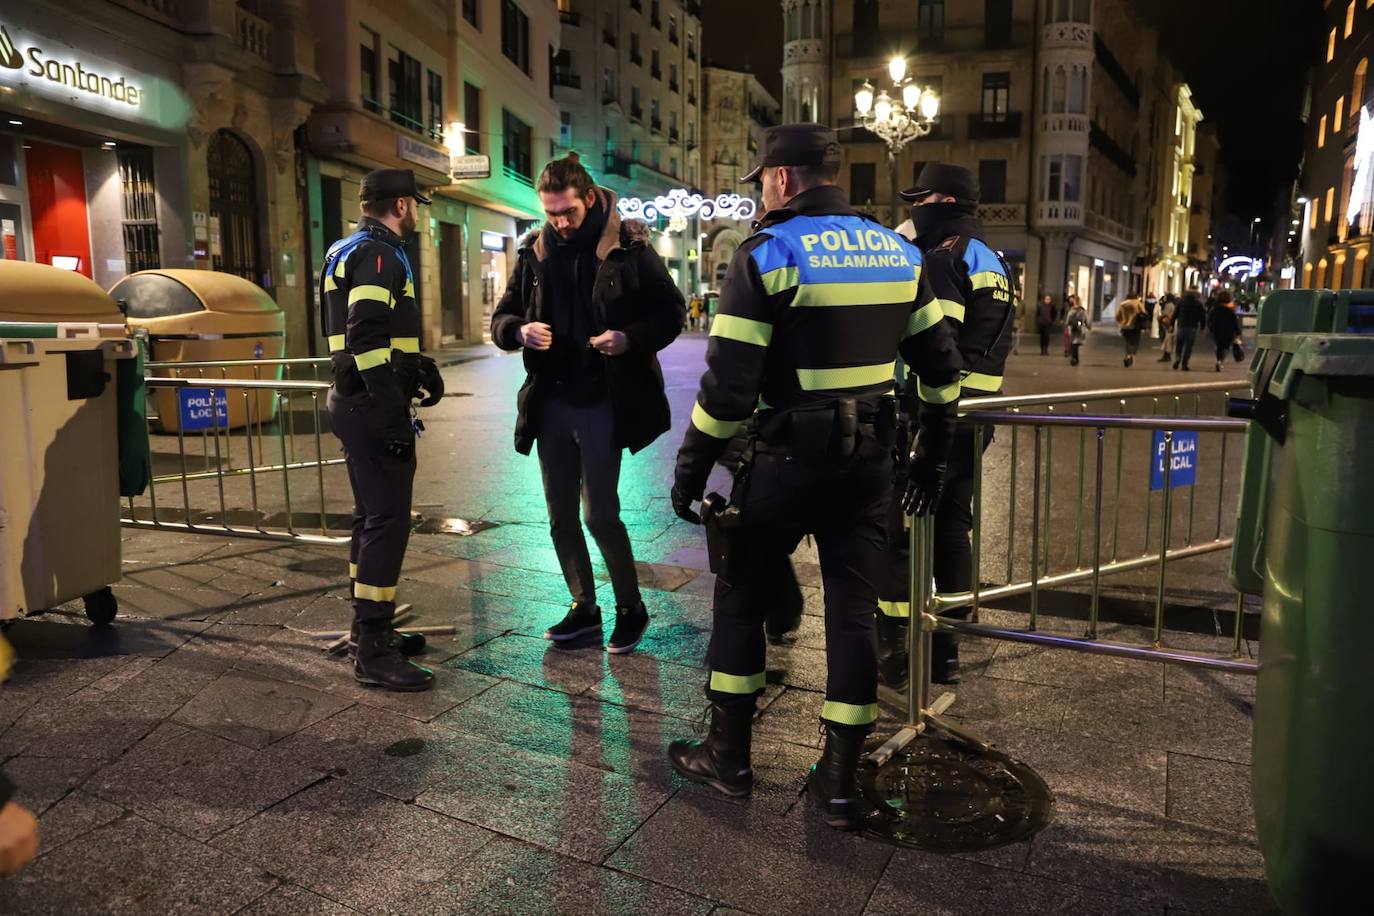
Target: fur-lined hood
<point>617,233</point>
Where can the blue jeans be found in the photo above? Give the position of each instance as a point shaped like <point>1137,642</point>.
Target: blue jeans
<point>1183,345</point>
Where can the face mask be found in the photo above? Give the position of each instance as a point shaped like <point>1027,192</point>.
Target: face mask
<point>929,217</point>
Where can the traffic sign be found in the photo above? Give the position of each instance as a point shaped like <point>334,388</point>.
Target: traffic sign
<point>201,407</point>
<point>1182,462</point>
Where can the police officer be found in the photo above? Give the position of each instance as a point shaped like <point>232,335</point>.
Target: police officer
<point>813,310</point>
<point>372,322</point>
<point>971,283</point>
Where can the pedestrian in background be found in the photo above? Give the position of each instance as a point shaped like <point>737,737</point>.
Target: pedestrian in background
<point>1167,306</point>
<point>1189,316</point>
<point>1045,316</point>
<point>1224,326</point>
<point>1075,328</point>
<point>591,304</point>
<point>1131,319</point>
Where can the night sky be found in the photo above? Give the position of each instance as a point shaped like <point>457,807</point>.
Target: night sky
<point>1246,60</point>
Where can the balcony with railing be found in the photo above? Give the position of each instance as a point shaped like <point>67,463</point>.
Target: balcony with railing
<point>1102,141</point>
<point>1002,126</point>
<point>951,39</point>
<point>1110,228</point>
<point>566,76</point>
<point>516,175</point>
<point>1059,212</point>
<point>1064,123</point>
<point>1072,35</point>
<point>617,164</point>
<point>254,31</point>
<point>1002,214</point>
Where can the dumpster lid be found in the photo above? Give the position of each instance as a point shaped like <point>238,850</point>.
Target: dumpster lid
<point>1320,355</point>
<point>44,294</point>
<point>214,290</point>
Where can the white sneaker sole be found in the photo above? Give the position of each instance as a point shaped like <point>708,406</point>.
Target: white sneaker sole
<point>626,650</point>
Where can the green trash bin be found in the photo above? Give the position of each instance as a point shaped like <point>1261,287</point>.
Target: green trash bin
<point>1311,530</point>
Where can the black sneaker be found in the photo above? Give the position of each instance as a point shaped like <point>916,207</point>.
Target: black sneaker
<point>630,624</point>
<point>579,621</point>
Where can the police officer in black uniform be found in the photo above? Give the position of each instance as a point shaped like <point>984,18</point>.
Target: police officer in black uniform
<point>372,323</point>
<point>813,310</point>
<point>974,289</point>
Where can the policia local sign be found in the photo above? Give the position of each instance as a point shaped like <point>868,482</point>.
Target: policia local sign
<point>50,68</point>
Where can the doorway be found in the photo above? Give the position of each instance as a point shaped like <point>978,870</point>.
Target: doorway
<point>451,283</point>
<point>234,209</point>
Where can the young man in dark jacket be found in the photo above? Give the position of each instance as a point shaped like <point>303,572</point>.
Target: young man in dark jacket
<point>591,303</point>
<point>1189,317</point>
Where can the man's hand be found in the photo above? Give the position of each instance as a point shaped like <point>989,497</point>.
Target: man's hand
<point>682,504</point>
<point>610,343</point>
<point>536,336</point>
<point>431,382</point>
<point>925,484</point>
<point>18,838</point>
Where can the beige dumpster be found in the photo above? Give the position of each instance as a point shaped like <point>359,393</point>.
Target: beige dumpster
<point>206,316</point>
<point>60,339</point>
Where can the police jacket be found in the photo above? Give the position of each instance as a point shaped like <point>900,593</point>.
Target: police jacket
<point>815,306</point>
<point>368,310</point>
<point>631,292</point>
<point>973,290</point>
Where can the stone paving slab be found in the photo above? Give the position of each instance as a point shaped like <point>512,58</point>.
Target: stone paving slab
<point>256,711</point>
<point>291,900</point>
<point>134,866</point>
<point>355,846</point>
<point>1212,793</point>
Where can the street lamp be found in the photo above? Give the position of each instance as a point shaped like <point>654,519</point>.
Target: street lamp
<point>904,112</point>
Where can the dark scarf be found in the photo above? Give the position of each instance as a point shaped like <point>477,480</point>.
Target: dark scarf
<point>578,371</point>
<point>936,222</point>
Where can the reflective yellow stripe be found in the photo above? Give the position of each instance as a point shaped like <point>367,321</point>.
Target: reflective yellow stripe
<point>372,293</point>
<point>352,570</point>
<point>336,342</point>
<point>329,284</point>
<point>409,290</point>
<point>927,316</point>
<point>406,344</point>
<point>720,429</point>
<point>745,330</point>
<point>849,714</point>
<point>847,377</point>
<point>979,381</point>
<point>735,683</point>
<point>6,658</point>
<point>374,592</point>
<point>895,608</point>
<point>775,281</point>
<point>942,395</point>
<point>986,278</point>
<point>372,358</point>
<point>339,267</point>
<point>952,309</point>
<point>876,293</point>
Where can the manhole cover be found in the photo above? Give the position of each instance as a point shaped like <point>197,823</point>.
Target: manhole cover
<point>945,794</point>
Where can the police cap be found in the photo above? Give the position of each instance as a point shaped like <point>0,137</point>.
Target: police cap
<point>943,178</point>
<point>797,144</point>
<point>384,184</point>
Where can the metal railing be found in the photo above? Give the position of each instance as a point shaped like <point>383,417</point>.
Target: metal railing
<point>1168,411</point>
<point>281,456</point>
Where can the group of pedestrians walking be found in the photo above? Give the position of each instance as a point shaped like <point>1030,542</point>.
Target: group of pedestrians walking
<point>1179,321</point>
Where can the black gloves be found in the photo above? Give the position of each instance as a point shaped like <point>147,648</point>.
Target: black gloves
<point>930,458</point>
<point>689,484</point>
<point>418,374</point>
<point>682,503</point>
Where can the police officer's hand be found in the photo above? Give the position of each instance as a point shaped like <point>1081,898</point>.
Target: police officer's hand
<point>536,336</point>
<point>925,484</point>
<point>18,838</point>
<point>431,382</point>
<point>683,498</point>
<point>610,343</point>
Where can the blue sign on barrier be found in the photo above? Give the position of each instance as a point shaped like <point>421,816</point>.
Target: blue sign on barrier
<point>1182,462</point>
<point>201,407</point>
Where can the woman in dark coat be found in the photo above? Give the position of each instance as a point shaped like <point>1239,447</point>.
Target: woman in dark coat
<point>1044,321</point>
<point>1223,325</point>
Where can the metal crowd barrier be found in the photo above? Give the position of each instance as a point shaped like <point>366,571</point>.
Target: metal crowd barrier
<point>1168,411</point>
<point>276,482</point>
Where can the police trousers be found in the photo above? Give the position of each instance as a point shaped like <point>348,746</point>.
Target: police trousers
<point>842,505</point>
<point>382,485</point>
<point>953,552</point>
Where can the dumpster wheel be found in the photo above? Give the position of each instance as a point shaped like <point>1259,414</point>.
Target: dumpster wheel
<point>101,606</point>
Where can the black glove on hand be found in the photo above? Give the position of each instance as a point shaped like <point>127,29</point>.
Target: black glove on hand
<point>689,485</point>
<point>429,381</point>
<point>682,504</point>
<point>930,458</point>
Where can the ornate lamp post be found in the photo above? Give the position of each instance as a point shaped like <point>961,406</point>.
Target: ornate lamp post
<point>898,115</point>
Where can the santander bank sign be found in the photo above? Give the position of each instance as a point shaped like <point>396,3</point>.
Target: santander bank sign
<point>67,73</point>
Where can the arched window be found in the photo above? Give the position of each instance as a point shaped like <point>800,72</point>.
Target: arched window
<point>1078,90</point>
<point>234,203</point>
<point>1058,91</point>
<point>1357,90</point>
<point>793,22</point>
<point>1081,10</point>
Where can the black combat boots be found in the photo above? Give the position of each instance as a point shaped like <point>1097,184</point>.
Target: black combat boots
<point>378,661</point>
<point>722,760</point>
<point>833,784</point>
<point>893,660</point>
<point>944,659</point>
<point>409,643</point>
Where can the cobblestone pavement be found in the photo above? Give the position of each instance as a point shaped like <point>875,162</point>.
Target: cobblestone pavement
<point>205,756</point>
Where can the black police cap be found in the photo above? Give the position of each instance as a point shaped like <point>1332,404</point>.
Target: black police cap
<point>796,144</point>
<point>943,178</point>
<point>384,184</point>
